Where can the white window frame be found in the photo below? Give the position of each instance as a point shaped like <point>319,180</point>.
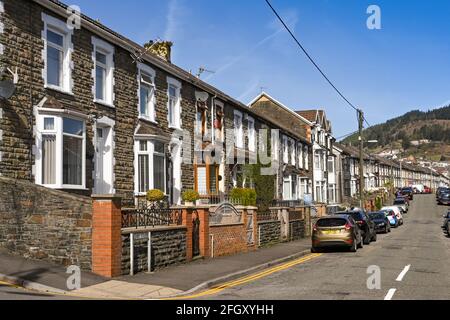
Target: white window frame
<point>285,149</point>
<point>293,152</point>
<point>60,27</point>
<point>238,131</point>
<point>108,50</point>
<point>149,72</point>
<point>177,108</point>
<point>300,155</point>
<point>274,144</point>
<point>58,116</point>
<point>150,153</point>
<point>305,151</point>
<point>251,134</point>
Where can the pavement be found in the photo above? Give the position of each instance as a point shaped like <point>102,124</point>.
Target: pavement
<point>39,277</point>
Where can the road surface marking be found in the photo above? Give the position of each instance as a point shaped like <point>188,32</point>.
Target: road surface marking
<point>249,278</point>
<point>403,273</point>
<point>390,294</point>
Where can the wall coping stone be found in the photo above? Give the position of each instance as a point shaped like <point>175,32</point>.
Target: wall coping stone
<point>106,196</point>
<point>151,229</point>
<point>269,221</point>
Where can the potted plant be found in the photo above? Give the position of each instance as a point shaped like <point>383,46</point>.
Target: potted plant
<point>189,197</point>
<point>155,195</point>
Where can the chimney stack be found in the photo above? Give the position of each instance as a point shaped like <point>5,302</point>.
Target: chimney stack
<point>161,49</point>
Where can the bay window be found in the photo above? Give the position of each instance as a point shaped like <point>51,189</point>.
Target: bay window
<point>60,157</point>
<point>150,166</point>
<point>146,76</point>
<point>103,74</point>
<point>57,54</point>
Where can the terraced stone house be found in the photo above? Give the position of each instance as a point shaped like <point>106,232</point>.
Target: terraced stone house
<point>96,113</point>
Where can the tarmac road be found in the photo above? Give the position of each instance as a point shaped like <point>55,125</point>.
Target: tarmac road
<point>414,261</point>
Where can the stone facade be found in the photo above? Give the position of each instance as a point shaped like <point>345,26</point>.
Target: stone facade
<point>296,229</point>
<point>44,224</point>
<point>269,232</point>
<point>168,248</point>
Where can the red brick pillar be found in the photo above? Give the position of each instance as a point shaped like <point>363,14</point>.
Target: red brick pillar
<point>106,235</point>
<point>187,221</point>
<point>203,215</point>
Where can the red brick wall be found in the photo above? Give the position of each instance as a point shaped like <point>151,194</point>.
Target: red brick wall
<point>229,239</point>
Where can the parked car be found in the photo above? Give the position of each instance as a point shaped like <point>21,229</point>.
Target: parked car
<point>446,224</point>
<point>397,212</point>
<point>402,204</point>
<point>382,224</point>
<point>444,198</point>
<point>336,231</point>
<point>364,222</point>
<point>393,221</point>
<point>426,190</point>
<point>417,188</point>
<point>441,190</point>
<point>408,191</point>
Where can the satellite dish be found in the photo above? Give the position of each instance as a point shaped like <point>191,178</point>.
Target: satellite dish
<point>7,88</point>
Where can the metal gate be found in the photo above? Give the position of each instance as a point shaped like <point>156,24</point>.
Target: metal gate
<point>250,233</point>
<point>195,235</point>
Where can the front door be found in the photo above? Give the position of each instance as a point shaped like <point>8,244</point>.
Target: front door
<point>103,162</point>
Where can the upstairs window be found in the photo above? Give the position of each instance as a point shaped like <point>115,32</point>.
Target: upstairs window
<point>146,76</point>
<point>300,155</point>
<point>238,130</point>
<point>285,150</point>
<point>58,50</point>
<point>306,157</point>
<point>251,134</point>
<point>293,152</point>
<point>274,145</point>
<point>173,104</point>
<point>103,57</point>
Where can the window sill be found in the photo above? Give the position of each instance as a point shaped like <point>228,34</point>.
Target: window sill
<point>174,127</point>
<point>58,89</point>
<point>104,103</point>
<point>147,120</point>
<point>64,187</point>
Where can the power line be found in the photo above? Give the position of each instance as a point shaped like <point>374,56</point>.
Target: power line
<point>312,61</point>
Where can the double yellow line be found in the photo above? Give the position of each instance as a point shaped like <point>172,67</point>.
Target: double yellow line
<point>249,278</point>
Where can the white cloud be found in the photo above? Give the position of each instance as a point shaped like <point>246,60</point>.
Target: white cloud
<point>173,20</point>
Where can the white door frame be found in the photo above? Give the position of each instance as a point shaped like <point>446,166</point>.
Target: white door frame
<point>107,185</point>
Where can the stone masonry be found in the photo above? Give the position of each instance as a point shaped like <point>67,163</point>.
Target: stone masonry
<point>51,225</point>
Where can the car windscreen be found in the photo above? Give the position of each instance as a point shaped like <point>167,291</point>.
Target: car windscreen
<point>377,215</point>
<point>331,222</point>
<point>399,201</point>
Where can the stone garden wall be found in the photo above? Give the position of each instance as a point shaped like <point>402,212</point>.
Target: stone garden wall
<point>40,223</point>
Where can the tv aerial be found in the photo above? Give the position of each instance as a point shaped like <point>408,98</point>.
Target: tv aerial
<point>202,70</point>
<point>8,86</point>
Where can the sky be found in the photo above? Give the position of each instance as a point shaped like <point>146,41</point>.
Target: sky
<point>401,67</point>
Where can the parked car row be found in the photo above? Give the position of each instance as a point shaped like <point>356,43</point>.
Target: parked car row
<point>356,227</point>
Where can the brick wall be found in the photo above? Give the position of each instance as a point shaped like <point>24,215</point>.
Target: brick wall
<point>168,248</point>
<point>228,239</point>
<point>40,223</point>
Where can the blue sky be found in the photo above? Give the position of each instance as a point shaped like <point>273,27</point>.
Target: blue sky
<point>387,72</point>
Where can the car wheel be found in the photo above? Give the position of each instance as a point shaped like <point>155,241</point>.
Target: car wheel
<point>374,238</point>
<point>314,250</point>
<point>354,246</point>
<point>367,239</point>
